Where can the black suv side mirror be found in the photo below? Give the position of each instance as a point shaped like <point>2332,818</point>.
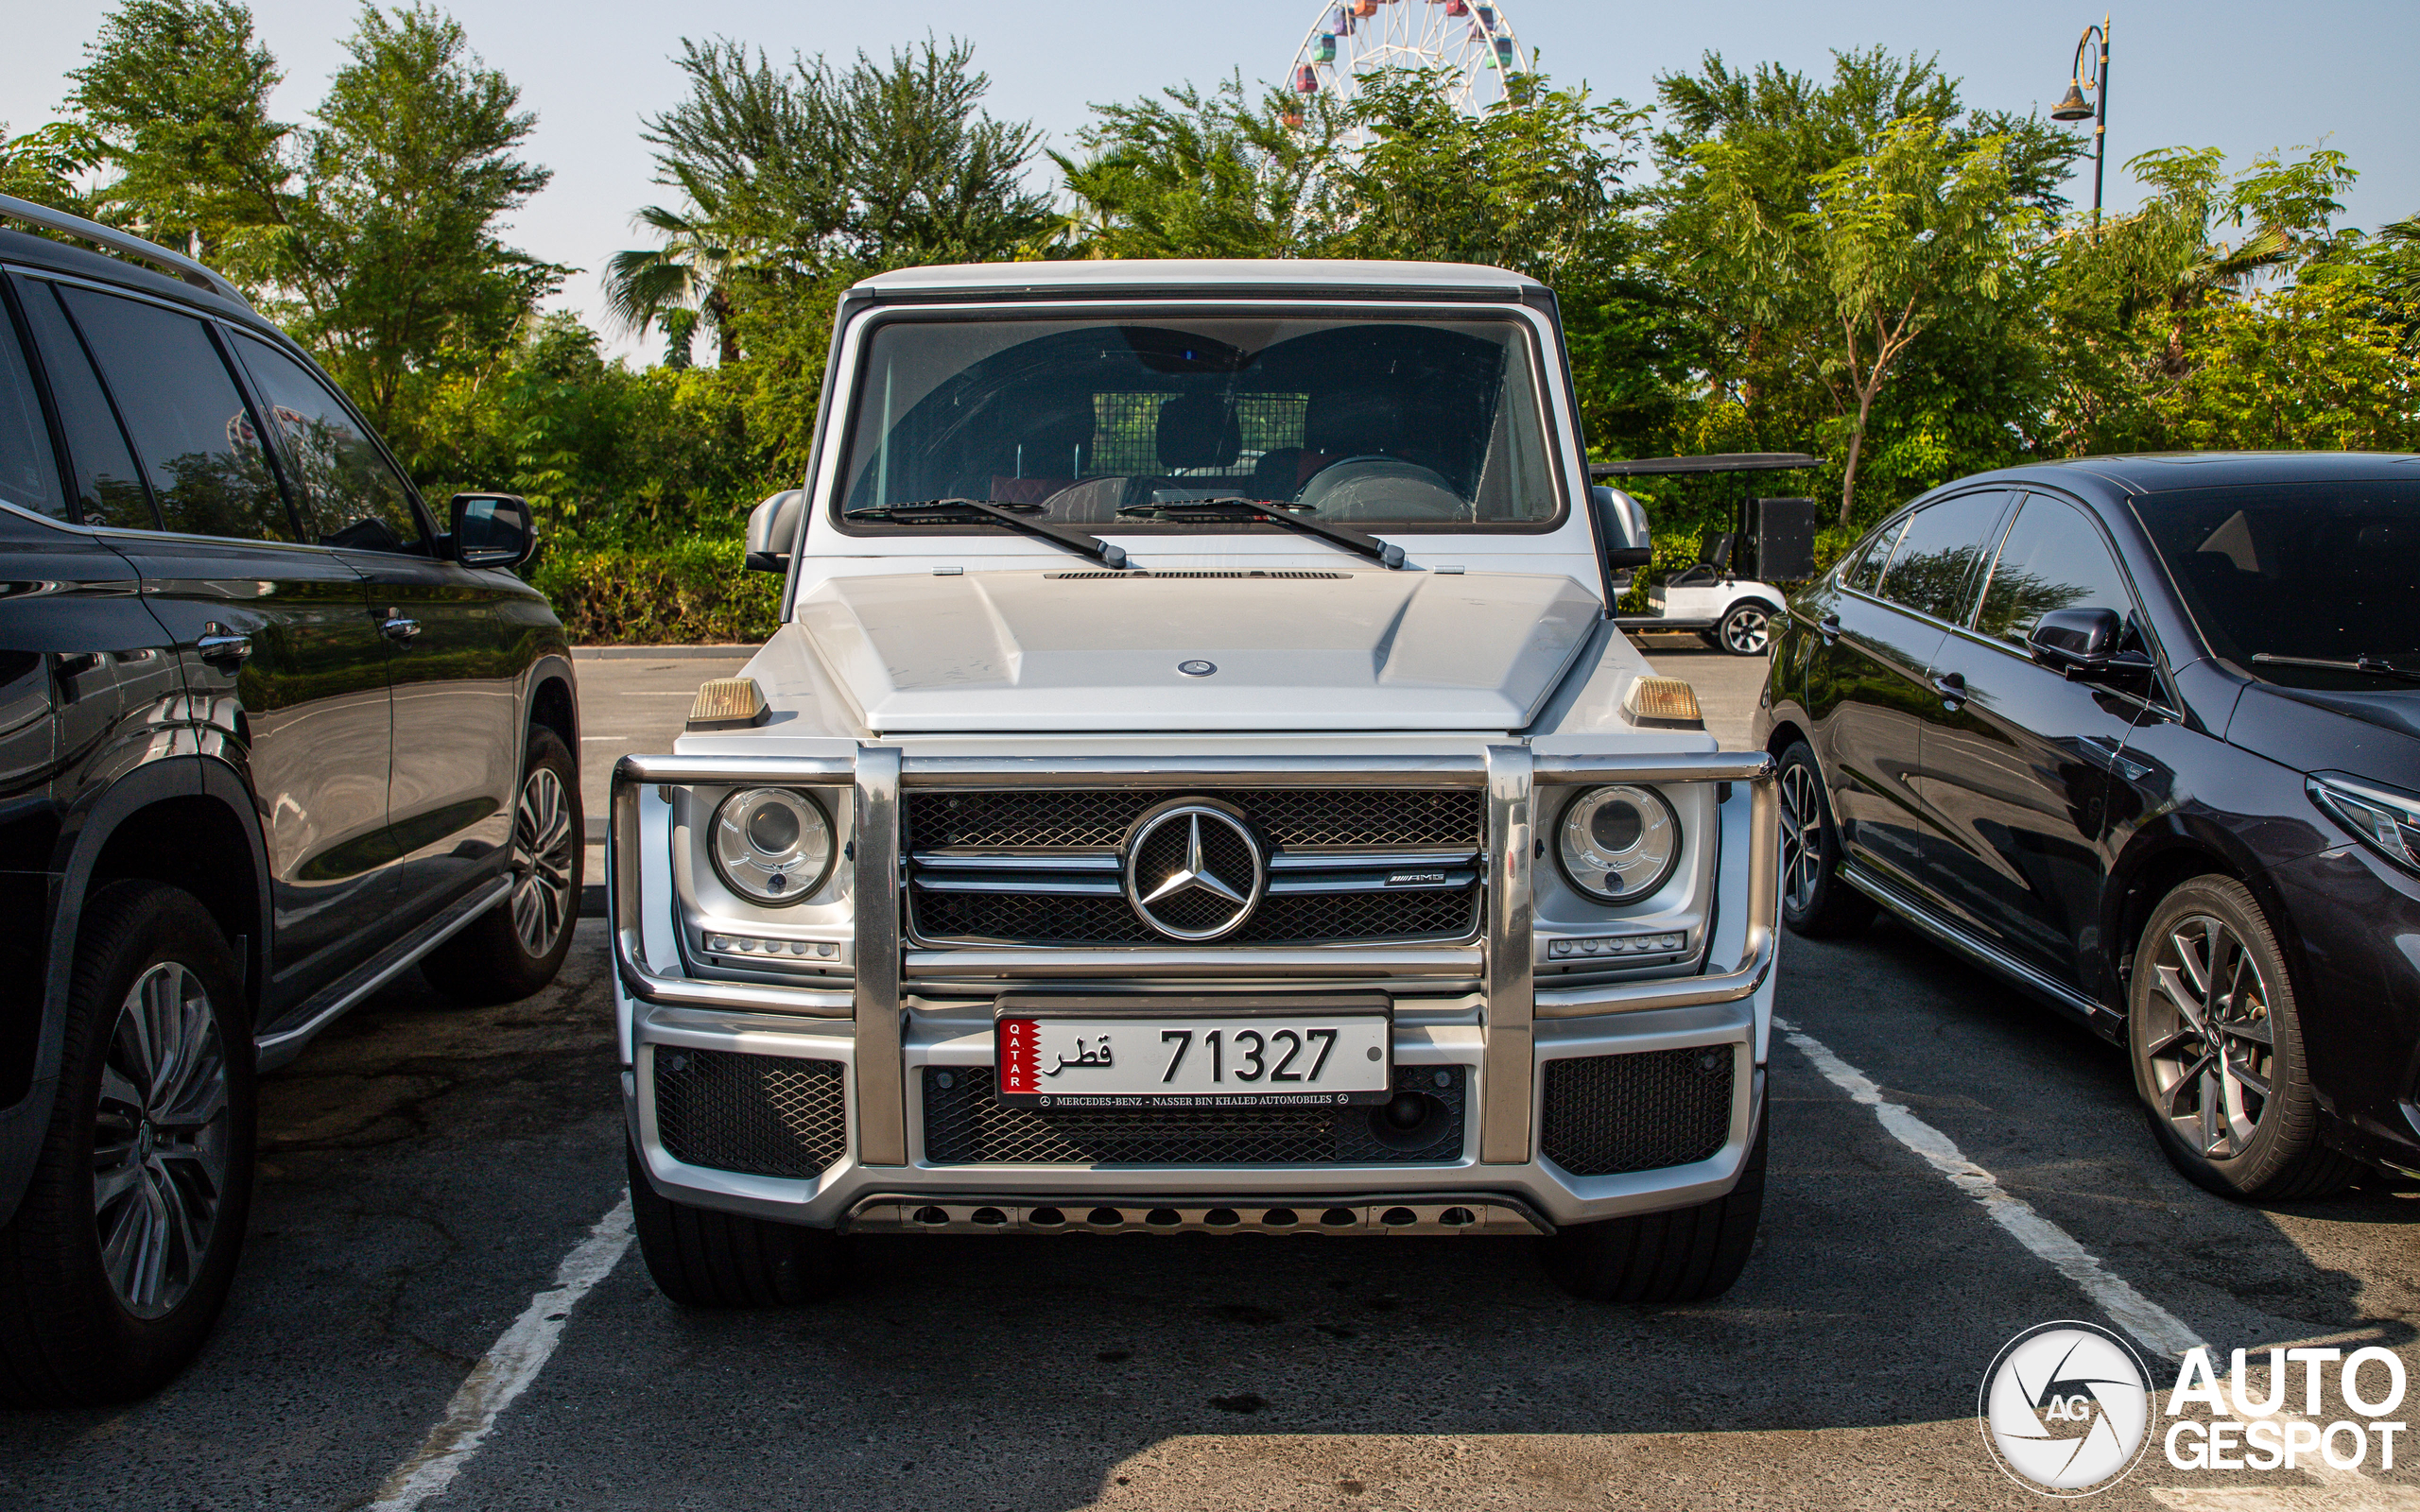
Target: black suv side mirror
<point>494,531</point>
<point>2081,644</point>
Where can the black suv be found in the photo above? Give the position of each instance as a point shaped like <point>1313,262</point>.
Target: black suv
<point>268,738</point>
<point>2142,734</point>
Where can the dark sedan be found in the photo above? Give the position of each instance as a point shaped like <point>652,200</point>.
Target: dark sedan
<point>2142,734</point>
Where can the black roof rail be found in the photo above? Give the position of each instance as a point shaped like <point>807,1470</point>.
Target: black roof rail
<point>1713,462</point>
<point>175,265</point>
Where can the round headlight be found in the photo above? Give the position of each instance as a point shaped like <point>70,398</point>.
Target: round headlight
<point>771,845</point>
<point>1618,844</point>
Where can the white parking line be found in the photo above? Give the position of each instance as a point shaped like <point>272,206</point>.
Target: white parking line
<point>505,1371</point>
<point>2161,1331</point>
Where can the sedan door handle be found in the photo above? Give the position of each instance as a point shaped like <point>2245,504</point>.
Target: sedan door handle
<point>1952,688</point>
<point>1829,627</point>
<point>222,647</point>
<point>398,628</point>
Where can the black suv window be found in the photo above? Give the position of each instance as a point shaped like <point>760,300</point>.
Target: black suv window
<point>1933,570</point>
<point>2053,558</point>
<point>109,490</point>
<point>28,474</point>
<point>350,495</point>
<point>191,428</point>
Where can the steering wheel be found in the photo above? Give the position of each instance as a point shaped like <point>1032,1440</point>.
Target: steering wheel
<point>1411,491</point>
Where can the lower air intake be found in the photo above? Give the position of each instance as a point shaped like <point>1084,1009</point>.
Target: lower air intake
<point>1608,1114</point>
<point>762,1115</point>
<point>965,1125</point>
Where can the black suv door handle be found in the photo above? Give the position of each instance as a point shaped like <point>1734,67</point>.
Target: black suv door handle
<point>398,628</point>
<point>222,647</point>
<point>1952,688</point>
<point>1829,627</point>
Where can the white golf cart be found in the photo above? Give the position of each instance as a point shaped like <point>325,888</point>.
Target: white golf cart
<point>1729,612</point>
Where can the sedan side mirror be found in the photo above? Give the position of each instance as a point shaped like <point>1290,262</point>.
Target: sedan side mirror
<point>773,531</point>
<point>494,531</point>
<point>1621,528</point>
<point>2081,644</point>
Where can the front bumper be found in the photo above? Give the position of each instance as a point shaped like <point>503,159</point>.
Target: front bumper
<point>1499,1039</point>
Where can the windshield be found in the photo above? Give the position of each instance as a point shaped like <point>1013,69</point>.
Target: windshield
<point>2319,572</point>
<point>1378,421</point>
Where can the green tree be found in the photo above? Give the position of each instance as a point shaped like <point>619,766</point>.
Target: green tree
<point>799,181</point>
<point>43,164</point>
<point>684,278</point>
<point>175,95</point>
<point>1186,174</point>
<point>396,267</point>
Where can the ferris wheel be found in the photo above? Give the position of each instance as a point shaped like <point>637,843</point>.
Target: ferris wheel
<point>1469,45</point>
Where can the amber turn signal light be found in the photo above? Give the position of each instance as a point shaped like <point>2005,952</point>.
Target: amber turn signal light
<point>728,703</point>
<point>1662,703</point>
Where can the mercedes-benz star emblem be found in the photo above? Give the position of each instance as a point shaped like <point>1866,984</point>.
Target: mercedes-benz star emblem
<point>1197,669</point>
<point>1193,870</point>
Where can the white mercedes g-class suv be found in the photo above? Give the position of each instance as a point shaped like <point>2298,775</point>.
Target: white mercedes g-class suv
<point>1196,785</point>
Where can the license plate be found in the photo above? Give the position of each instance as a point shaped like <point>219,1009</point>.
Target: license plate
<point>1163,1062</point>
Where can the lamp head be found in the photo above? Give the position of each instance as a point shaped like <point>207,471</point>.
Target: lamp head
<point>2073,107</point>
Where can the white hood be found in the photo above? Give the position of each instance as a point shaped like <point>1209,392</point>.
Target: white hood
<point>1046,651</point>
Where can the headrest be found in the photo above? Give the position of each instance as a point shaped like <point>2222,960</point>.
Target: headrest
<point>1199,430</point>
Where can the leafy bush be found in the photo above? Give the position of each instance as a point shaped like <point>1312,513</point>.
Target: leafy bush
<point>687,590</point>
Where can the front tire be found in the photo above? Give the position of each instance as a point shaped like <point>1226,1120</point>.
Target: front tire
<point>120,1255</point>
<point>1689,1255</point>
<point>701,1257</point>
<point>2215,1035</point>
<point>515,948</point>
<point>1815,900</point>
<point>1746,629</point>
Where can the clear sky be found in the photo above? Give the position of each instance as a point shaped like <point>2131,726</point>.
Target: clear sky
<point>2244,77</point>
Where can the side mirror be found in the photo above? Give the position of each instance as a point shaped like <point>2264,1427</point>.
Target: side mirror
<point>492,530</point>
<point>2079,643</point>
<point>1621,528</point>
<point>773,531</point>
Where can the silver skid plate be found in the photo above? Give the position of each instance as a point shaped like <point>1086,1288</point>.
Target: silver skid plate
<point>1427,1213</point>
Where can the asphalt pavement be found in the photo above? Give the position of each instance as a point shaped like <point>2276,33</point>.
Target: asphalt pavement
<point>427,1168</point>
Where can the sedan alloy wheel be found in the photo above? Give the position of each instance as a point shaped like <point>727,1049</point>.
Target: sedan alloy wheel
<point>2210,1043</point>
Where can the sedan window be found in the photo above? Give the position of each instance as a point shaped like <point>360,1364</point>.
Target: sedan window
<point>1933,570</point>
<point>2300,583</point>
<point>2053,558</point>
<point>1867,575</point>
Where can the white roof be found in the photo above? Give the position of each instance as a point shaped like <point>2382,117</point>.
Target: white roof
<point>1195,274</point>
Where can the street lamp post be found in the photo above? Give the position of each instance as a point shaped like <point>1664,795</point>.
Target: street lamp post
<point>2073,107</point>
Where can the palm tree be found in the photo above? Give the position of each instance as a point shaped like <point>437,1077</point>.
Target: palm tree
<point>689,275</point>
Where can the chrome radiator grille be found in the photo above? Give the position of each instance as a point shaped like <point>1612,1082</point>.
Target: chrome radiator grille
<point>1047,866</point>
<point>1368,818</point>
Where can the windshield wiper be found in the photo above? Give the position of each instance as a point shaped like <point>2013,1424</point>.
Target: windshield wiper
<point>976,511</point>
<point>2377,667</point>
<point>1187,510</point>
